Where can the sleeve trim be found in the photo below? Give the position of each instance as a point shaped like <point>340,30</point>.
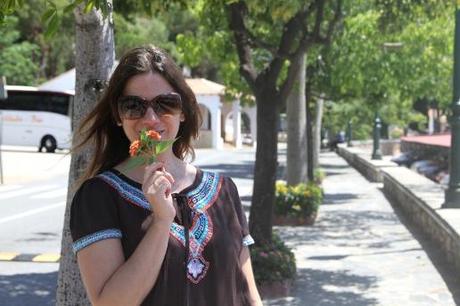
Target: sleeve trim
<point>248,240</point>
<point>95,237</point>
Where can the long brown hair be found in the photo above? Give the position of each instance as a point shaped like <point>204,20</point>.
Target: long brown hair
<point>100,126</point>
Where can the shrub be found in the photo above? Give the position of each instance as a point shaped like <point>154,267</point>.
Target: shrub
<point>273,262</point>
<point>319,176</point>
<point>300,201</point>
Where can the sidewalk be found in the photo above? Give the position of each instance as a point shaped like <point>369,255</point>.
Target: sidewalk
<point>360,253</point>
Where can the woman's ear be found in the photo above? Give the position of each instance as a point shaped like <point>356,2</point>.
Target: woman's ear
<point>182,117</point>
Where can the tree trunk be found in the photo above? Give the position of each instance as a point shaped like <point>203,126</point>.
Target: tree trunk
<point>94,61</point>
<point>309,127</point>
<point>265,171</point>
<point>296,128</point>
<point>319,105</point>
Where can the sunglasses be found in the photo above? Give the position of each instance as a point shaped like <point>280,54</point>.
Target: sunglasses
<point>135,107</point>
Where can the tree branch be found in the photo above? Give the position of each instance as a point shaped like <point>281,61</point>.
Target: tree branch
<point>235,15</point>
<point>310,39</point>
<point>259,43</point>
<point>319,18</point>
<point>292,30</point>
<point>331,27</point>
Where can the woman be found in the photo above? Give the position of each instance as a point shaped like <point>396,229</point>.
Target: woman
<point>163,234</point>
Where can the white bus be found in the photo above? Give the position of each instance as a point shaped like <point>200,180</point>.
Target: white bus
<point>33,117</point>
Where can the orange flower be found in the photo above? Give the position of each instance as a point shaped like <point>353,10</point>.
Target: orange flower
<point>134,147</point>
<point>153,135</point>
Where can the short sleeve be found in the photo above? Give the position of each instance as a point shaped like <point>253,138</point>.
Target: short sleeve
<point>93,214</point>
<point>233,191</point>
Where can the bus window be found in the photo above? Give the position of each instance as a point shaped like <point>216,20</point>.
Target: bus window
<point>31,117</point>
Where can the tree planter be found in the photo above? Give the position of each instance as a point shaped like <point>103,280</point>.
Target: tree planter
<point>295,221</point>
<point>275,289</point>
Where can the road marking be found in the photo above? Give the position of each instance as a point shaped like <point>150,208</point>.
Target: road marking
<point>7,255</point>
<point>6,188</point>
<point>31,212</point>
<point>27,257</point>
<point>51,194</point>
<point>25,191</point>
<point>47,257</point>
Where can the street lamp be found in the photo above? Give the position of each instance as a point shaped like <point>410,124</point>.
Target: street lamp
<point>376,153</point>
<point>3,96</point>
<point>452,194</point>
<point>350,134</point>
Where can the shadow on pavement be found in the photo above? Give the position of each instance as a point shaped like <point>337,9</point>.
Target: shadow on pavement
<point>35,289</point>
<point>338,198</point>
<point>327,288</point>
<point>243,170</point>
<point>345,229</point>
<point>436,255</point>
<point>327,166</point>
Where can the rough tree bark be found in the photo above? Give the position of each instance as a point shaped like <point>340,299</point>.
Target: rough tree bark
<point>319,105</point>
<point>296,128</point>
<point>309,128</point>
<point>93,63</point>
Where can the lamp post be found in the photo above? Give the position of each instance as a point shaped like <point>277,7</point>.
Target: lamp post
<point>3,96</point>
<point>349,132</point>
<point>376,153</point>
<point>452,194</point>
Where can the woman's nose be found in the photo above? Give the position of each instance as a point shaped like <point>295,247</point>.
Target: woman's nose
<point>150,115</point>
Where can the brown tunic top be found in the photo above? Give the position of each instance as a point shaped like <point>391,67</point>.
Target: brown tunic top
<point>112,206</point>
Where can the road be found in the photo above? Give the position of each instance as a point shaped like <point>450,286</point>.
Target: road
<point>32,204</point>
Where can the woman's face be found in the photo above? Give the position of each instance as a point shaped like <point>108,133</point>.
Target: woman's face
<point>148,86</point>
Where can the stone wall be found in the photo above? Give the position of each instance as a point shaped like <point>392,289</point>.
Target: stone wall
<point>418,198</point>
<point>361,160</point>
<point>421,200</point>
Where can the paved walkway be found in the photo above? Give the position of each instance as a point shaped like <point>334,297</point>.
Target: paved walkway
<point>360,253</point>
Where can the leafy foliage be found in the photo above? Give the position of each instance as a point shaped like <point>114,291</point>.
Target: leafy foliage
<point>18,61</point>
<point>385,64</point>
<point>272,262</point>
<point>301,200</point>
<point>140,31</point>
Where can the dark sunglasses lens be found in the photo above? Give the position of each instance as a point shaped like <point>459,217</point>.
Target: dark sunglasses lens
<point>131,107</point>
<point>168,104</point>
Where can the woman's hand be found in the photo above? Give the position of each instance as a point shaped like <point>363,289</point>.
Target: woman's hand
<point>157,189</point>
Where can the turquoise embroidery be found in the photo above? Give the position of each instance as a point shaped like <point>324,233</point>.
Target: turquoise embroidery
<point>248,240</point>
<point>199,199</point>
<point>130,193</point>
<point>95,237</point>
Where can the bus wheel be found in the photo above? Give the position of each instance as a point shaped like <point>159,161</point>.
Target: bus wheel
<point>49,142</point>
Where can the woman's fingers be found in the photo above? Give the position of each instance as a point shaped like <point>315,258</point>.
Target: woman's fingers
<point>151,169</point>
<point>157,179</point>
<point>168,176</point>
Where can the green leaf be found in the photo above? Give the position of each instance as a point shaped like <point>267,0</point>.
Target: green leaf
<point>52,26</point>
<point>52,4</point>
<point>135,162</point>
<point>46,17</point>
<point>162,146</point>
<point>89,6</point>
<point>69,8</point>
<point>152,159</point>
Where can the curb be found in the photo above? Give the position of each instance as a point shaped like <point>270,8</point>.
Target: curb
<point>30,257</point>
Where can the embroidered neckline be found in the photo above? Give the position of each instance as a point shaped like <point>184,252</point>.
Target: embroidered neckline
<point>130,181</point>
<point>202,194</point>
